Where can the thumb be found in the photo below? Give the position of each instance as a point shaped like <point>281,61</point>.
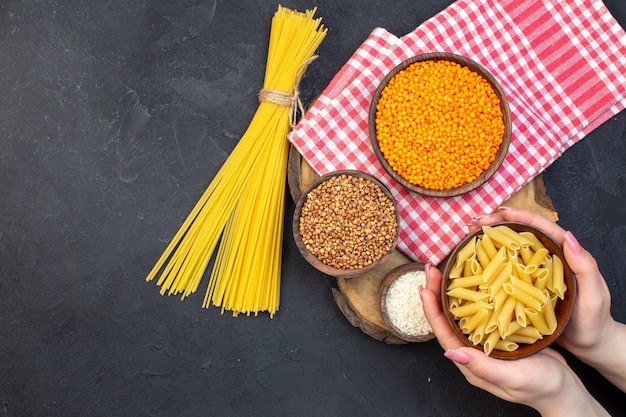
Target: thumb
<point>434,312</point>
<point>583,265</point>
<point>581,261</point>
<point>592,308</point>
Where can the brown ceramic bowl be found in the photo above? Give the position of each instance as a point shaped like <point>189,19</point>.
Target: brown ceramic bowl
<point>387,306</point>
<point>486,174</point>
<point>563,309</point>
<point>343,245</point>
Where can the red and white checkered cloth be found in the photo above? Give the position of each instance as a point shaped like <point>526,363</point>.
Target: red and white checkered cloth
<point>561,63</point>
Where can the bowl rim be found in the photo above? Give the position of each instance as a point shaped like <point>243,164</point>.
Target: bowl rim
<point>563,309</point>
<point>315,261</point>
<point>384,287</point>
<point>504,105</point>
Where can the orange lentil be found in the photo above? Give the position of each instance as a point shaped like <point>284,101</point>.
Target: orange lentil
<point>439,124</point>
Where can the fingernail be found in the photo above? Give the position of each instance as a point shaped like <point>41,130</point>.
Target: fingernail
<point>476,219</point>
<point>456,356</point>
<point>573,244</point>
<point>427,271</point>
<point>506,208</point>
<point>485,216</point>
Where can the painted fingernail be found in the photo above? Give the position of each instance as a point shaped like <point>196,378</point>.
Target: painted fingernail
<point>456,356</point>
<point>573,244</point>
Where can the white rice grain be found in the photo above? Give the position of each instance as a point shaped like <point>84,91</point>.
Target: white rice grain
<point>404,305</point>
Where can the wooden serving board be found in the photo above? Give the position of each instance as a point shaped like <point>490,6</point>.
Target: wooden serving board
<point>357,298</point>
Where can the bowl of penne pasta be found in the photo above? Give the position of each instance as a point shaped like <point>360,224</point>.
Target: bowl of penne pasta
<point>507,290</point>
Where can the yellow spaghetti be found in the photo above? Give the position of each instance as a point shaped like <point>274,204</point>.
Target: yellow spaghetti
<point>242,209</point>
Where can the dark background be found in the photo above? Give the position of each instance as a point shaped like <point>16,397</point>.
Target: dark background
<point>114,117</point>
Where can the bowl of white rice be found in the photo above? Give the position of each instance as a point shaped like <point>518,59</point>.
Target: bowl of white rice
<point>401,305</point>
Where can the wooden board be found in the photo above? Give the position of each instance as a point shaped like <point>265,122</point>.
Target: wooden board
<point>357,298</point>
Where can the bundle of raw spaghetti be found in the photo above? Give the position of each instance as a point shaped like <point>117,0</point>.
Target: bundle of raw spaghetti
<point>243,207</point>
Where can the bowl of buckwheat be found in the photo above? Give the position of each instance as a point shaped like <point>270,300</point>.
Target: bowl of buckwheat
<point>440,124</point>
<point>346,223</point>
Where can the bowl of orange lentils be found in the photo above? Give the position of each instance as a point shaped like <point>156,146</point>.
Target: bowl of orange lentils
<point>440,124</point>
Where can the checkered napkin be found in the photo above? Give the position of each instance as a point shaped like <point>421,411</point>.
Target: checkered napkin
<point>561,64</point>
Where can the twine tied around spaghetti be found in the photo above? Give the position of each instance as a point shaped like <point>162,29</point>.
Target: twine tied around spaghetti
<point>286,99</point>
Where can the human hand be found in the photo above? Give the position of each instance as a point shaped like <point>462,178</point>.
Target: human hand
<point>542,381</point>
<point>592,334</point>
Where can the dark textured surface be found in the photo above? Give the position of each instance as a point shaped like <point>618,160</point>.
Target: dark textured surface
<point>114,117</point>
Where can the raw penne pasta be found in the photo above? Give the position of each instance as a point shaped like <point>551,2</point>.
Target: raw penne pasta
<point>511,254</point>
<point>530,289</point>
<point>505,289</point>
<point>514,327</point>
<point>482,256</point>
<point>549,265</point>
<point>537,319</point>
<point>495,285</point>
<point>491,270</point>
<point>453,302</point>
<point>467,267</point>
<point>476,337</point>
<point>488,246</point>
<point>472,267</point>
<point>513,257</point>
<point>498,300</point>
<point>526,253</point>
<point>490,342</point>
<point>506,345</point>
<point>520,315</point>
<point>519,294</point>
<point>553,298</point>
<point>528,331</point>
<point>541,270</point>
<point>558,277</point>
<point>475,267</point>
<point>462,322</point>
<point>496,235</point>
<point>465,282</point>
<point>467,294</point>
<point>457,271</point>
<point>505,315</point>
<point>536,242</point>
<point>478,334</point>
<point>549,316</point>
<point>519,269</point>
<point>535,261</point>
<point>492,323</point>
<point>468,251</point>
<point>469,309</point>
<point>514,271</point>
<point>521,240</point>
<point>516,338</point>
<point>472,322</point>
<point>542,280</point>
